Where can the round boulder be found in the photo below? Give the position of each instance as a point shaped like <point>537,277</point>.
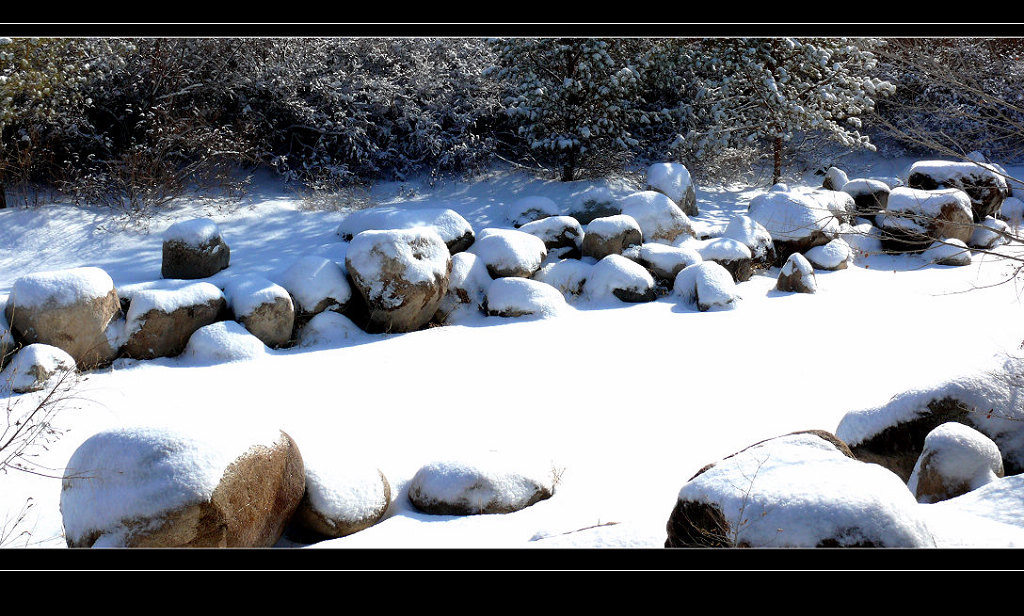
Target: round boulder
<point>797,222</point>
<point>617,276</point>
<point>556,232</point>
<point>529,209</point>
<point>194,249</point>
<point>610,235</point>
<point>915,218</point>
<point>224,341</point>
<point>797,276</point>
<point>835,179</point>
<point>733,255</point>
<point>948,252</point>
<point>160,322</point>
<point>342,497</point>
<point>489,484</point>
<point>467,288</point>
<point>708,285</point>
<point>520,297</point>
<point>984,185</point>
<point>262,307</point>
<point>956,459</point>
<point>34,367</point>
<point>673,180</point>
<point>317,284</point>
<point>660,219</point>
<point>835,255</point>
<point>509,253</point>
<point>756,238</point>
<point>870,197</point>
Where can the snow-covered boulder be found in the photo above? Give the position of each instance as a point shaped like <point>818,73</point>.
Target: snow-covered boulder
<point>835,255</point>
<point>152,487</point>
<point>864,238</point>
<point>610,235</point>
<point>839,203</point>
<point>956,459</point>
<point>454,230</point>
<point>566,275</point>
<point>262,307</point>
<point>342,496</point>
<point>193,249</point>
<point>160,322</point>
<point>592,202</point>
<point>989,400</point>
<point>915,218</point>
<point>330,329</point>
<point>509,253</point>
<point>665,262</point>
<point>529,209</point>
<point>490,483</point>
<point>985,187</point>
<point>708,285</point>
<point>660,219</point>
<point>673,180</point>
<point>989,234</point>
<point>835,179</point>
<point>520,297</point>
<point>755,237</point>
<point>948,252</point>
<point>224,341</point>
<point>797,276</point>
<point>556,232</point>
<point>798,490</point>
<point>730,254</point>
<point>467,288</point>
<point>402,275</point>
<point>1012,210</point>
<point>797,222</point>
<point>869,196</point>
<point>69,309</point>
<point>34,368</point>
<point>316,284</point>
<point>617,276</point>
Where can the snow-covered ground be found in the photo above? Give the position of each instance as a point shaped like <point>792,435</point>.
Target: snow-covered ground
<point>626,401</point>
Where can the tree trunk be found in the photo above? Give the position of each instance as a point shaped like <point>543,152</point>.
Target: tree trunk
<point>3,195</point>
<point>777,169</point>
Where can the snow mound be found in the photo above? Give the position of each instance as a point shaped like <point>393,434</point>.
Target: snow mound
<point>35,367</point>
<point>223,342</point>
<point>467,286</point>
<point>832,256</point>
<point>454,230</point>
<point>799,490</point>
<point>864,186</point>
<point>791,216</point>
<point>195,232</point>
<point>60,287</point>
<point>618,277</point>
<point>1012,210</point>
<point>753,235</point>
<point>509,253</point>
<point>863,239</point>
<point>489,483</point>
<point>330,329</point>
<point>835,179</point>
<point>956,455</point>
<point>667,261</point>
<point>142,472</point>
<point>989,233</point>
<point>660,219</point>
<point>567,275</point>
<point>948,252</point>
<point>840,203</point>
<point>1001,500</point>
<point>517,297</point>
<point>670,179</point>
<point>344,495</point>
<point>529,209</point>
<point>316,283</point>
<point>708,285</point>
<point>724,249</point>
<point>556,231</point>
<point>247,293</point>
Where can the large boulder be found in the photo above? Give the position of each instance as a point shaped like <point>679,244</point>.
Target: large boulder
<point>556,232</point>
<point>262,307</point>
<point>467,288</point>
<point>151,487</point>
<point>673,180</point>
<point>797,222</point>
<point>521,297</point>
<point>707,285</point>
<point>730,254</point>
<point>509,253</point>
<point>756,238</point>
<point>797,276</point>
<point>69,309</point>
<point>342,497</point>
<point>490,483</point>
<point>610,235</point>
<point>870,197</point>
<point>402,275</point>
<point>616,276</point>
<point>916,218</point>
<point>34,368</point>
<point>316,284</point>
<point>798,490</point>
<point>985,186</point>
<point>660,219</point>
<point>160,322</point>
<point>529,209</point>
<point>194,249</point>
<point>955,460</point>
<point>454,230</point>
<point>835,255</point>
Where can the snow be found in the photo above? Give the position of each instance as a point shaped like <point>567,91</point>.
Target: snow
<point>797,490</point>
<point>864,238</point>
<point>830,256</point>
<point>247,293</point>
<point>751,234</point>
<point>467,285</point>
<point>566,275</point>
<point>958,454</point>
<point>312,279</point>
<point>447,223</point>
<point>34,367</point>
<point>839,203</point>
<point>524,297</point>
<point>489,478</point>
<point>331,330</point>
<point>167,301</point>
<point>617,273</point>
<point>864,186</point>
<point>550,229</point>
<point>838,177</point>
<point>707,284</point>
<point>948,252</point>
<point>224,341</point>
<point>1001,500</point>
<point>660,219</point>
<point>790,216</point>
<point>1012,210</point>
<point>610,226</point>
<point>508,252</point>
<point>60,288</point>
<point>196,232</point>
<point>529,209</point>
<point>672,179</point>
<point>724,249</point>
<point>342,487</point>
<point>989,233</point>
<point>667,261</point>
<point>144,471</point>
